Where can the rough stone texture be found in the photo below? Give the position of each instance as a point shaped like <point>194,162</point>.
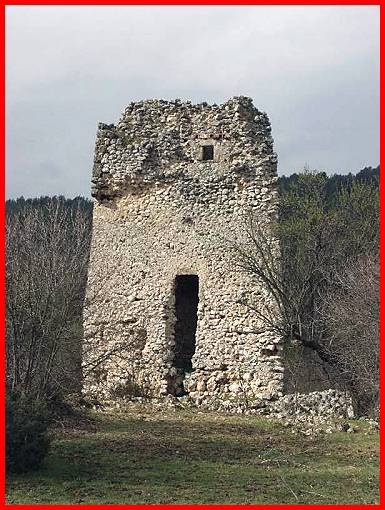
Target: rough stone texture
<point>314,407</point>
<point>314,412</point>
<point>322,405</point>
<point>162,211</point>
<point>306,413</point>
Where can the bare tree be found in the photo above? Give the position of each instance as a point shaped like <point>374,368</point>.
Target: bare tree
<point>352,313</point>
<point>47,251</point>
<point>300,259</point>
<point>293,276</point>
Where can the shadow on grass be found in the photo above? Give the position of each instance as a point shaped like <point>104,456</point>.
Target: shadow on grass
<point>201,459</point>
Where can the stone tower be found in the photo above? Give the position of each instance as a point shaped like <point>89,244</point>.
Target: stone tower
<point>164,314</point>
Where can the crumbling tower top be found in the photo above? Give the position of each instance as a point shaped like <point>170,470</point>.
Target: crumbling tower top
<point>163,141</point>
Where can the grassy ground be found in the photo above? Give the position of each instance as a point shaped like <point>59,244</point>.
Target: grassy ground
<point>146,456</point>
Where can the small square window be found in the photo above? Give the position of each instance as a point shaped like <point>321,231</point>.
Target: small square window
<point>207,152</point>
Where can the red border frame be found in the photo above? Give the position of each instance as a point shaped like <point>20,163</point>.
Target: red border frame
<point>2,269</point>
<point>2,254</point>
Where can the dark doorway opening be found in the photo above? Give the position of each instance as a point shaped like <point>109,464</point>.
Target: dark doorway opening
<point>186,308</point>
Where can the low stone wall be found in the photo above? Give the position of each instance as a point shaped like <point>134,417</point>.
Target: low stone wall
<point>323,405</point>
<point>316,407</point>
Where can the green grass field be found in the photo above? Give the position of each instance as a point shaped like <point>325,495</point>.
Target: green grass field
<point>146,456</point>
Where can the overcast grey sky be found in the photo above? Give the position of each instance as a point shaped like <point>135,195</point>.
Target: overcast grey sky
<point>313,69</point>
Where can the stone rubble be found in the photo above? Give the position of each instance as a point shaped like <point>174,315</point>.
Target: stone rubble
<point>312,413</point>
<point>316,411</point>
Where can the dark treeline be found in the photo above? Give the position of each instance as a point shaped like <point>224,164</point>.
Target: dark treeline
<point>18,205</point>
<point>335,183</point>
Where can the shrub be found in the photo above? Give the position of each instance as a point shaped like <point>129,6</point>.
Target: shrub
<point>27,440</point>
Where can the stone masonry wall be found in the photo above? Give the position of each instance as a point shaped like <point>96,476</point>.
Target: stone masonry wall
<point>162,211</point>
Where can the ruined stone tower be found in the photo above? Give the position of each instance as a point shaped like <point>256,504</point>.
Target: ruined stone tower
<point>164,313</point>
